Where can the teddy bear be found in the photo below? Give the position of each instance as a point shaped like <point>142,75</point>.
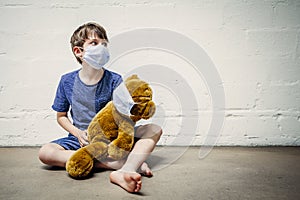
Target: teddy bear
<point>111,132</point>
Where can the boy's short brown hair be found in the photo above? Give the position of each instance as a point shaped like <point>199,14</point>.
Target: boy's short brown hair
<point>83,32</point>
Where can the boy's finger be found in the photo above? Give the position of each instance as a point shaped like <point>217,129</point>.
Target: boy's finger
<point>85,138</point>
<point>85,143</point>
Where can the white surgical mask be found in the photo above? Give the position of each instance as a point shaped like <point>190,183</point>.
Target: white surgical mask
<point>96,56</point>
<point>122,99</point>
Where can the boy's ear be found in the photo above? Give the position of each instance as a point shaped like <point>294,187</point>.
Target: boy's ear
<point>77,51</point>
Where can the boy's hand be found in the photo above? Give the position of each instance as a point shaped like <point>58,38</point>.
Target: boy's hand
<point>82,138</point>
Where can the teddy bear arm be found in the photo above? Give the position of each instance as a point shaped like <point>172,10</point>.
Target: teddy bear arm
<point>121,146</point>
<point>98,150</point>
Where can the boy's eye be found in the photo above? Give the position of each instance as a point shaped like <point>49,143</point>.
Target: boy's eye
<point>104,44</point>
<point>94,43</point>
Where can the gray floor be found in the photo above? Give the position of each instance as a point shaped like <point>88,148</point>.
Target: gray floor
<point>226,173</point>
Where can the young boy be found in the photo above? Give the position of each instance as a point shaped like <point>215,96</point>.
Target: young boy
<point>86,91</point>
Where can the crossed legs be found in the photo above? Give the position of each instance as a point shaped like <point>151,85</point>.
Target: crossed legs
<point>127,175</point>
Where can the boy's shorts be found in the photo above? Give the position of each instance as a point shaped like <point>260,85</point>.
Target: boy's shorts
<point>71,142</point>
<point>68,143</point>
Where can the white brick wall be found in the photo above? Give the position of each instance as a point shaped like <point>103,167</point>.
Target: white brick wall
<point>254,44</point>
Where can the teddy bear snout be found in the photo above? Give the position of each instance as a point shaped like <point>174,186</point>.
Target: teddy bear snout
<point>143,110</point>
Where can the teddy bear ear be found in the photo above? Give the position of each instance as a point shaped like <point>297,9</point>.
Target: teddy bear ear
<point>134,76</point>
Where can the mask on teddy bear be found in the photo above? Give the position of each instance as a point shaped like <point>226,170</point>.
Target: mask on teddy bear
<point>122,99</point>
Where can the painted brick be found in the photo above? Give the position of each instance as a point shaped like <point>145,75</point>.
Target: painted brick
<point>298,47</point>
<point>280,96</point>
<point>248,14</point>
<point>246,70</point>
<point>196,17</point>
<point>287,14</point>
<point>271,43</point>
<point>255,46</point>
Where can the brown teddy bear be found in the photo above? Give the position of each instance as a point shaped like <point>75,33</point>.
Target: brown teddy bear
<point>111,133</point>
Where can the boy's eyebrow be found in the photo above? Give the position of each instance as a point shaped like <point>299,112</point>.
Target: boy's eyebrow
<point>96,39</point>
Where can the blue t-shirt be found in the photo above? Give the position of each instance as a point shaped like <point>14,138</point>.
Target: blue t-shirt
<point>85,100</point>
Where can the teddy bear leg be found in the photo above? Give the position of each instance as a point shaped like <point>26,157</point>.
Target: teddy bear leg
<point>80,164</point>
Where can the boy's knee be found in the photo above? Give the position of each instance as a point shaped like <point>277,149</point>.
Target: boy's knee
<point>43,154</point>
<point>158,133</point>
<point>151,131</point>
<point>46,152</point>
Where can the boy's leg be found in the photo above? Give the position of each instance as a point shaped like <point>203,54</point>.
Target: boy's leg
<point>127,177</point>
<point>58,152</point>
<point>54,155</point>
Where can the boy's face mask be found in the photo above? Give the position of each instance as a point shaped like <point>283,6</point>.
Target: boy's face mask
<point>96,56</point>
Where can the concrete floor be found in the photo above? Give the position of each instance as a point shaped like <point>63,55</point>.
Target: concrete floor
<point>226,173</point>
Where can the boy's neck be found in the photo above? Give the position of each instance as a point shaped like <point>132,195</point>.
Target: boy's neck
<point>89,75</point>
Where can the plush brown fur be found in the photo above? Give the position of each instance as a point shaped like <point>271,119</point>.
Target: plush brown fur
<point>111,133</point>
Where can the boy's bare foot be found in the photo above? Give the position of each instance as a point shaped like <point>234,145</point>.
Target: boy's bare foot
<point>130,181</point>
<point>145,170</point>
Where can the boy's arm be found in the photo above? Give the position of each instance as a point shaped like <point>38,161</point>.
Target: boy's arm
<point>65,123</point>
